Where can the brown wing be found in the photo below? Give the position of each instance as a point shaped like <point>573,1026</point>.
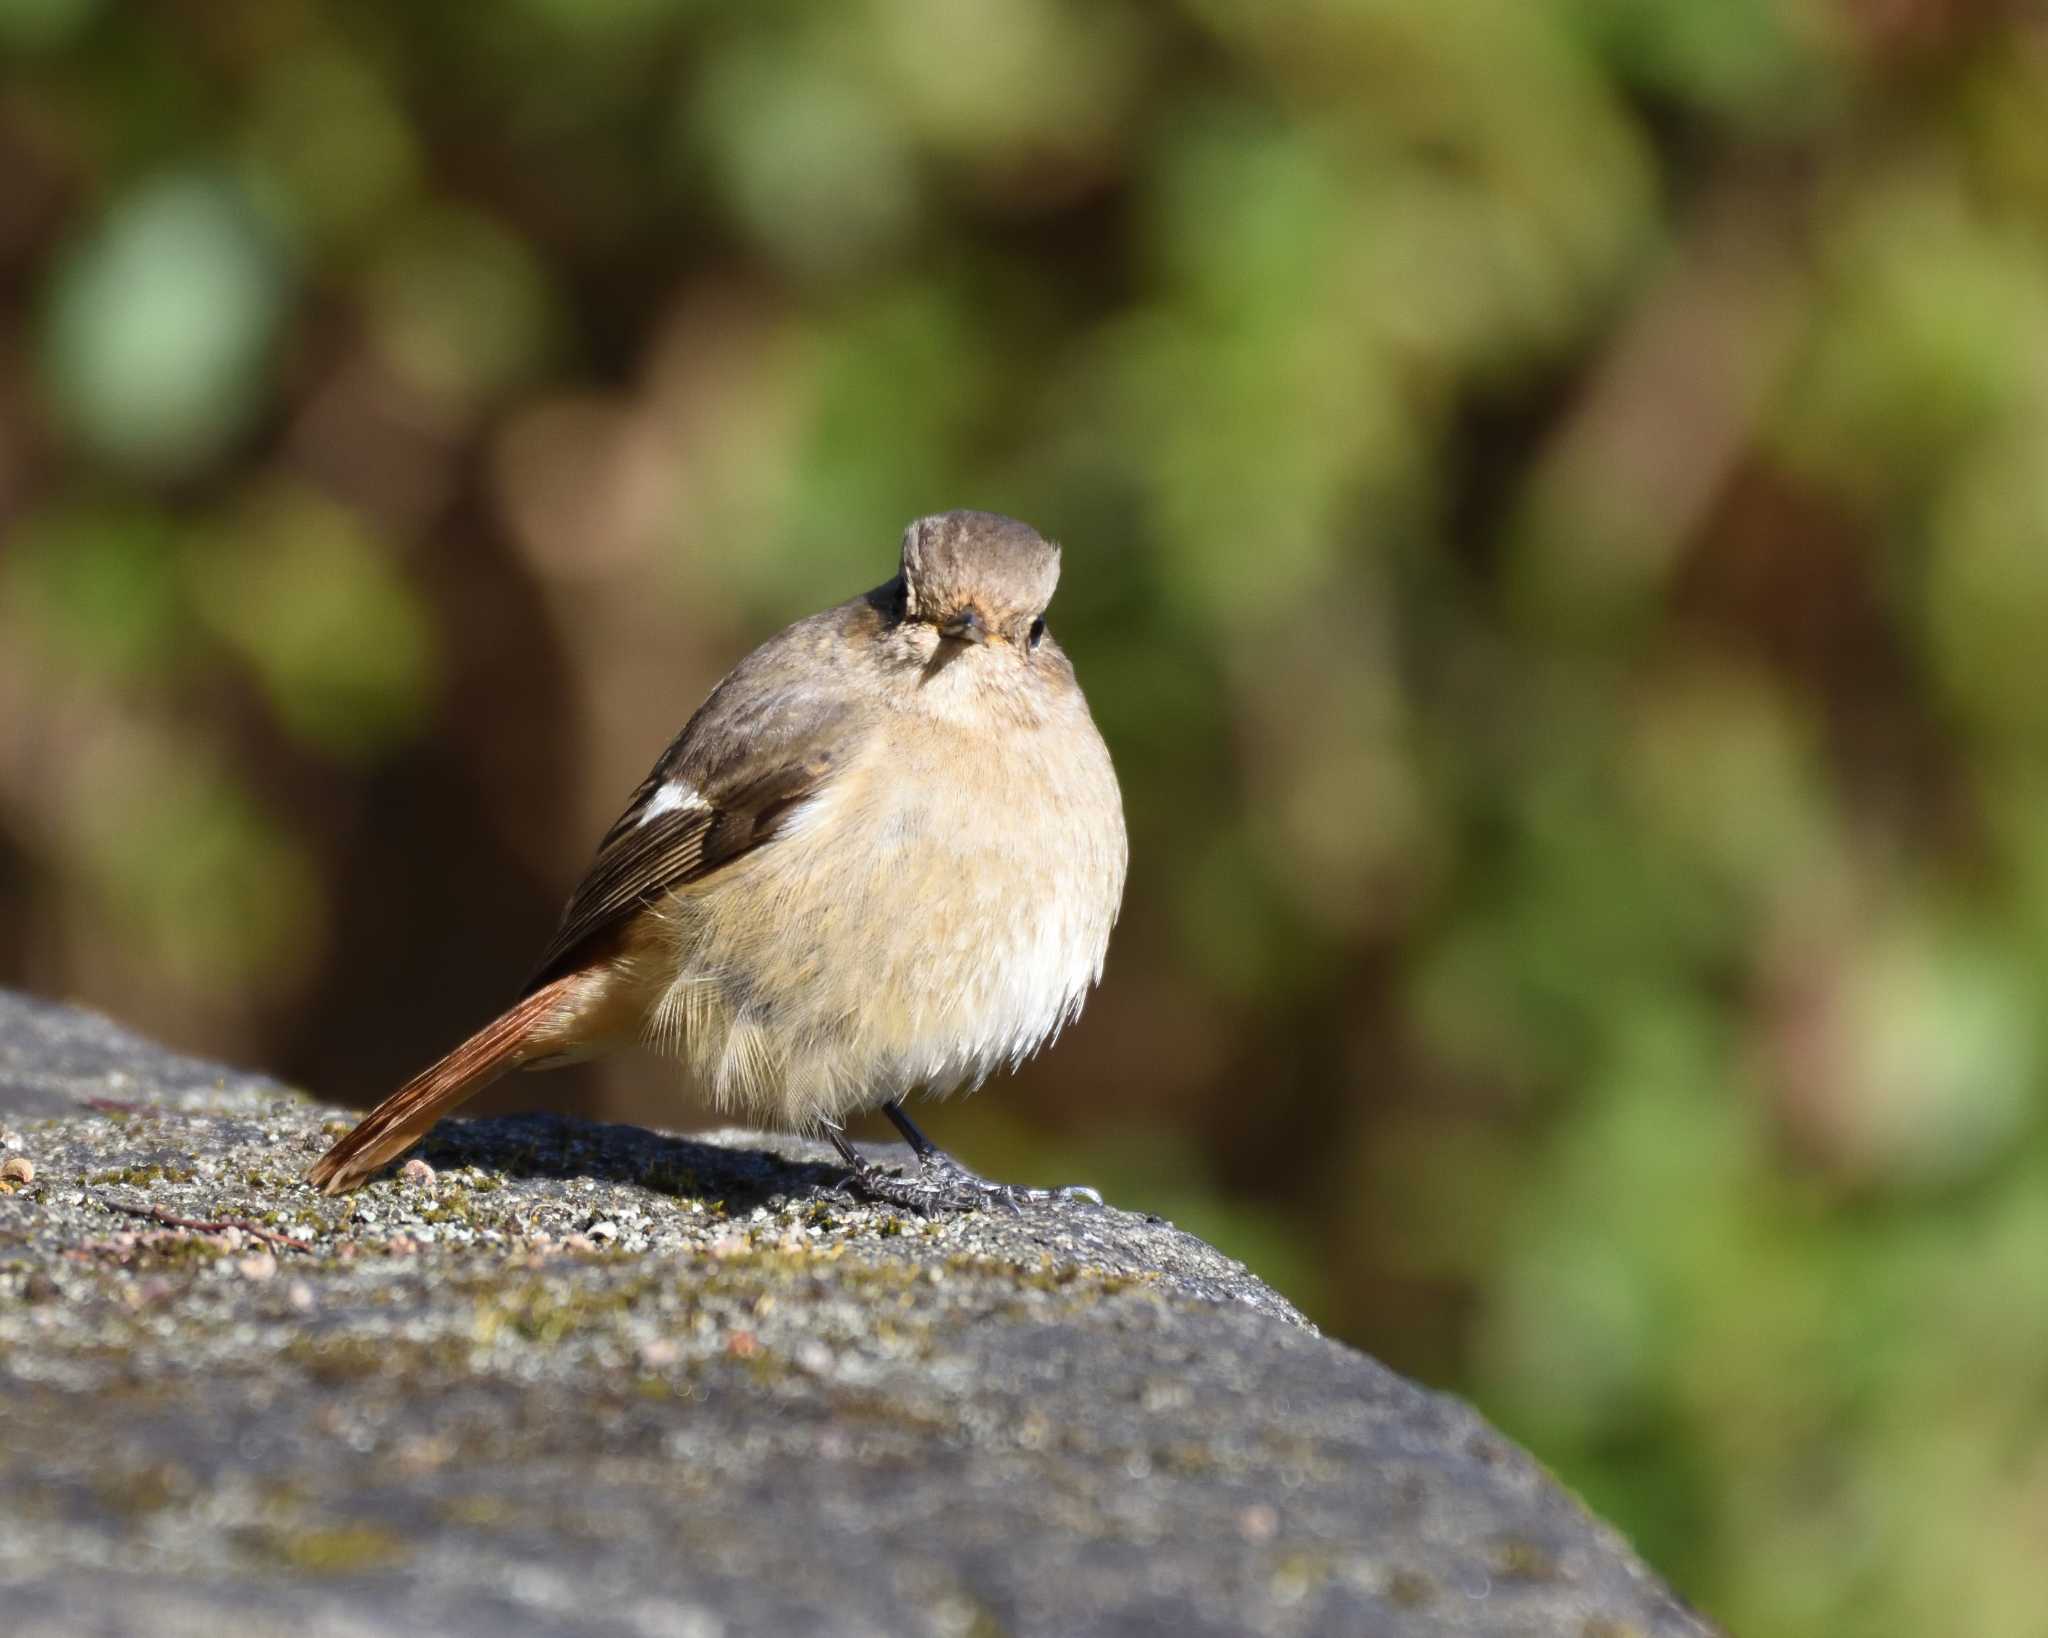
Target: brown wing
<point>644,857</point>
<point>772,733</point>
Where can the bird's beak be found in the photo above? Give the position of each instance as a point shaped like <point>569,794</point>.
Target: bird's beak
<point>965,627</point>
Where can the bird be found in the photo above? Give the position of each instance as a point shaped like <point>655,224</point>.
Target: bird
<point>883,858</point>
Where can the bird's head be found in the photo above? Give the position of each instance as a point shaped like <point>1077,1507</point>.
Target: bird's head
<point>978,578</point>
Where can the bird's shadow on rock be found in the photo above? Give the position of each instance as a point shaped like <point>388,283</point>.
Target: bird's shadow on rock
<point>561,1147</point>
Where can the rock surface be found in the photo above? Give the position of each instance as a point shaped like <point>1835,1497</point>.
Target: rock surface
<point>592,1379</point>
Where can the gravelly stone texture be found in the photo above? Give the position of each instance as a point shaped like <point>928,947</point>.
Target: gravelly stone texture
<point>592,1379</point>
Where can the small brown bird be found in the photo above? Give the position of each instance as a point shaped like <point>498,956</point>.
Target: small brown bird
<point>883,857</point>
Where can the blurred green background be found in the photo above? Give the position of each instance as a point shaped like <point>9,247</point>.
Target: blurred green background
<point>1557,538</point>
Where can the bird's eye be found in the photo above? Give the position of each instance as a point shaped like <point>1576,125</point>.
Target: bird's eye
<point>1037,633</point>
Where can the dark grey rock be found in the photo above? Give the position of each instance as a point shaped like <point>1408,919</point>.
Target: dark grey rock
<point>597,1380</point>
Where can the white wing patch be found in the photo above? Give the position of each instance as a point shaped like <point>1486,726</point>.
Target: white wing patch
<point>672,797</point>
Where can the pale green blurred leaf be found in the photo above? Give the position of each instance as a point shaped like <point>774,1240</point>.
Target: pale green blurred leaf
<point>460,305</point>
<point>37,25</point>
<point>1758,59</point>
<point>333,630</point>
<point>1985,606</point>
<point>328,145</point>
<point>192,867</point>
<point>1023,79</point>
<point>161,321</point>
<point>813,162</point>
<point>900,387</point>
<point>96,585</point>
<point>1934,326</point>
<point>1941,1047</point>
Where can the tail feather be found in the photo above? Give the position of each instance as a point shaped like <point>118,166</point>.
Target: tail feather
<point>401,1120</point>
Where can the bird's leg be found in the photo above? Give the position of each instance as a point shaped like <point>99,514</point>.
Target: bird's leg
<point>940,1184</point>
<point>862,1168</point>
<point>885,1186</point>
<point>926,1194</point>
<point>953,1187</point>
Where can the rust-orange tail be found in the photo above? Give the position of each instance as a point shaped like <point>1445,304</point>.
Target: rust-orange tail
<point>405,1117</point>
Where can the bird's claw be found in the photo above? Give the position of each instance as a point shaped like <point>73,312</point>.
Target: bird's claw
<point>941,1185</point>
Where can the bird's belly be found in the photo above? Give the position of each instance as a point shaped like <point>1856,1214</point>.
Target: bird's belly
<point>920,933</point>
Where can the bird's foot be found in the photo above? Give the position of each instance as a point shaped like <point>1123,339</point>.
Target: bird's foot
<point>941,1185</point>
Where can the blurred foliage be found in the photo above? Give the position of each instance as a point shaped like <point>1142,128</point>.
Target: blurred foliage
<point>1557,538</point>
